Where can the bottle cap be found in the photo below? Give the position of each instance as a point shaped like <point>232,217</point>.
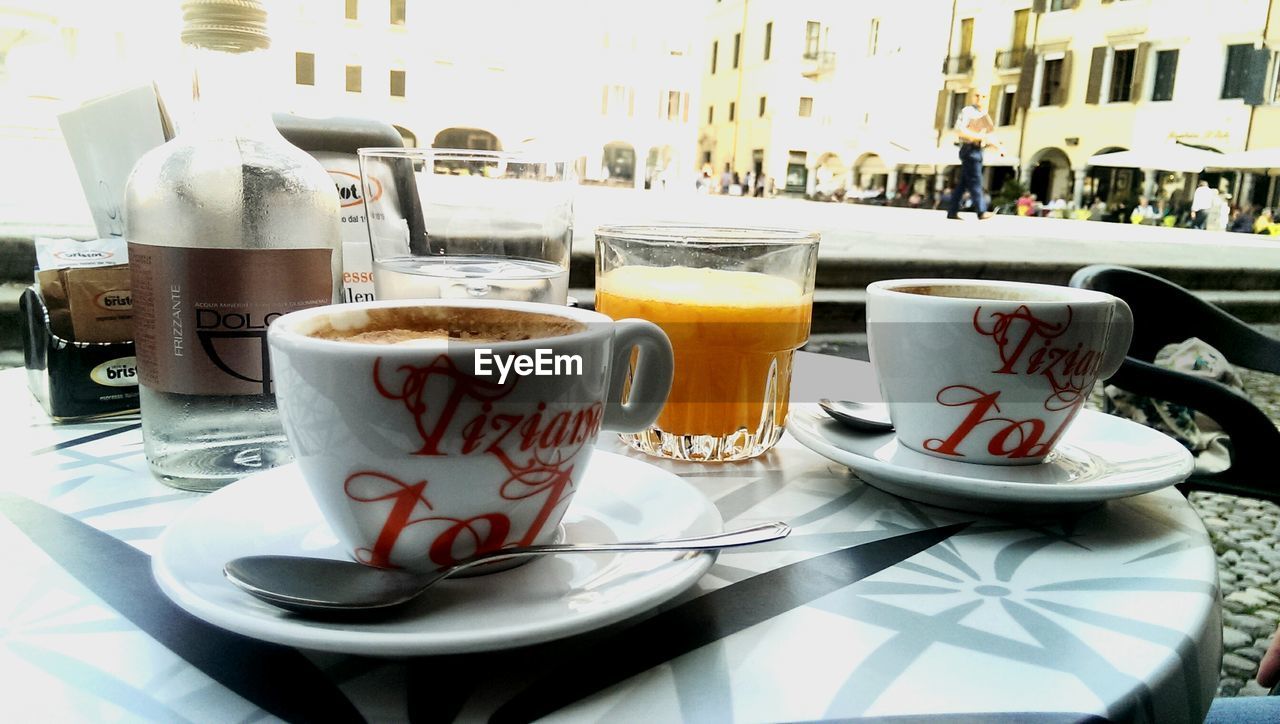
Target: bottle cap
<point>233,26</point>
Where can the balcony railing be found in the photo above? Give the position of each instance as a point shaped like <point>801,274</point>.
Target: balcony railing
<point>818,64</point>
<point>958,65</point>
<point>1010,59</point>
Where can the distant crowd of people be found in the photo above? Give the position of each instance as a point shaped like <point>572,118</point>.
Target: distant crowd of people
<point>1209,209</point>
<point>731,183</point>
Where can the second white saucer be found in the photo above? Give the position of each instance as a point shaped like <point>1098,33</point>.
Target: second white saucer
<point>1100,457</point>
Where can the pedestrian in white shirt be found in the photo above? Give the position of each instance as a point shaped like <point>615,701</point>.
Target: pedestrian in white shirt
<point>1202,202</point>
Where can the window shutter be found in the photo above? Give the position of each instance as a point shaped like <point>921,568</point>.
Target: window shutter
<point>1255,78</point>
<point>1095,74</point>
<point>1039,6</point>
<point>1140,71</point>
<point>1026,79</point>
<point>1064,81</point>
<point>1068,4</point>
<point>940,113</point>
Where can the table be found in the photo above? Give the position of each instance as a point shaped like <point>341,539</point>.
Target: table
<point>874,607</point>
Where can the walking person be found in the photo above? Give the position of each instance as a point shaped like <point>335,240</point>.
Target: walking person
<point>1201,202</point>
<point>975,128</point>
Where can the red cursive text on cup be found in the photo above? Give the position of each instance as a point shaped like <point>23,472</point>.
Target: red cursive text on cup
<point>537,450</point>
<point>1012,438</point>
<point>487,531</point>
<point>411,388</point>
<point>1070,370</point>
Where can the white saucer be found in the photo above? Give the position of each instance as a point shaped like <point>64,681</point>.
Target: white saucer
<point>547,598</point>
<point>1100,457</point>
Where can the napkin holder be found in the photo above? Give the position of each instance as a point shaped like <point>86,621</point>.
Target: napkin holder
<point>74,380</point>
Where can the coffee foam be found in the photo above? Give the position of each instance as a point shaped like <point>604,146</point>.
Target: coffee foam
<point>992,293</point>
<point>428,325</point>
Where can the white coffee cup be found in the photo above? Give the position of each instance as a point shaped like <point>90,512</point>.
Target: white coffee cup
<point>988,371</point>
<point>425,452</point>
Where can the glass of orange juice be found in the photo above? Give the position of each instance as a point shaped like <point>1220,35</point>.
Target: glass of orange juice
<point>736,304</point>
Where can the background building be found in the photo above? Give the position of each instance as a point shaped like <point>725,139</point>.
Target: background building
<point>818,95</point>
<point>612,88</point>
<point>823,98</point>
<point>609,85</point>
<point>1071,79</point>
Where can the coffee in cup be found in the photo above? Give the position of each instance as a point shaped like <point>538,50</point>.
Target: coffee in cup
<point>429,431</point>
<point>988,371</point>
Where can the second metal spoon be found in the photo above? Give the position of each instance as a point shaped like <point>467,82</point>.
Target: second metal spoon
<point>861,416</point>
<point>326,586</point>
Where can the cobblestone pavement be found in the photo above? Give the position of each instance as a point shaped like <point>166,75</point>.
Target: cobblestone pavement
<point>1246,536</point>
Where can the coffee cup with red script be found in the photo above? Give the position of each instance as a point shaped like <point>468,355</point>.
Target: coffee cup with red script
<point>431,430</point>
<point>988,371</point>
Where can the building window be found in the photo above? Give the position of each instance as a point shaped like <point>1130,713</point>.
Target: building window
<point>304,68</point>
<point>353,78</point>
<point>397,83</point>
<point>715,50</point>
<point>614,96</point>
<point>1166,71</point>
<point>1050,82</point>
<point>806,106</point>
<point>1275,79</point>
<point>812,39</point>
<point>711,115</point>
<point>958,99</point>
<point>733,111</point>
<point>673,105</point>
<point>1238,56</point>
<point>966,37</point>
<point>737,48</point>
<point>1021,19</point>
<point>1122,75</point>
<point>768,39</point>
<point>873,37</point>
<point>1055,5</point>
<point>762,103</point>
<point>397,12</point>
<point>352,9</point>
<point>1008,105</point>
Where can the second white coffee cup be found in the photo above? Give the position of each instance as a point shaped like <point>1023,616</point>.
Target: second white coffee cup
<point>988,371</point>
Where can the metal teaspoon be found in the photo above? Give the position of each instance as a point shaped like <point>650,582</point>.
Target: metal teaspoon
<point>861,416</point>
<point>324,586</point>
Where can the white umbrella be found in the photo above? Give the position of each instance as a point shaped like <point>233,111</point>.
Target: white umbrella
<point>1254,159</point>
<point>1169,157</point>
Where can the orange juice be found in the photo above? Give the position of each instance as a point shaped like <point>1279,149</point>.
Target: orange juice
<point>734,334</point>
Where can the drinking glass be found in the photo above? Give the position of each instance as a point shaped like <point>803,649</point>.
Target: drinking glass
<point>736,304</point>
<point>447,223</point>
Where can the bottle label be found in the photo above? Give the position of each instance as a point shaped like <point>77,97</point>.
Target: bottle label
<point>200,316</point>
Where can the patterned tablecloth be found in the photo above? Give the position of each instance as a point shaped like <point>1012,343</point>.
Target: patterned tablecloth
<point>874,607</point>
